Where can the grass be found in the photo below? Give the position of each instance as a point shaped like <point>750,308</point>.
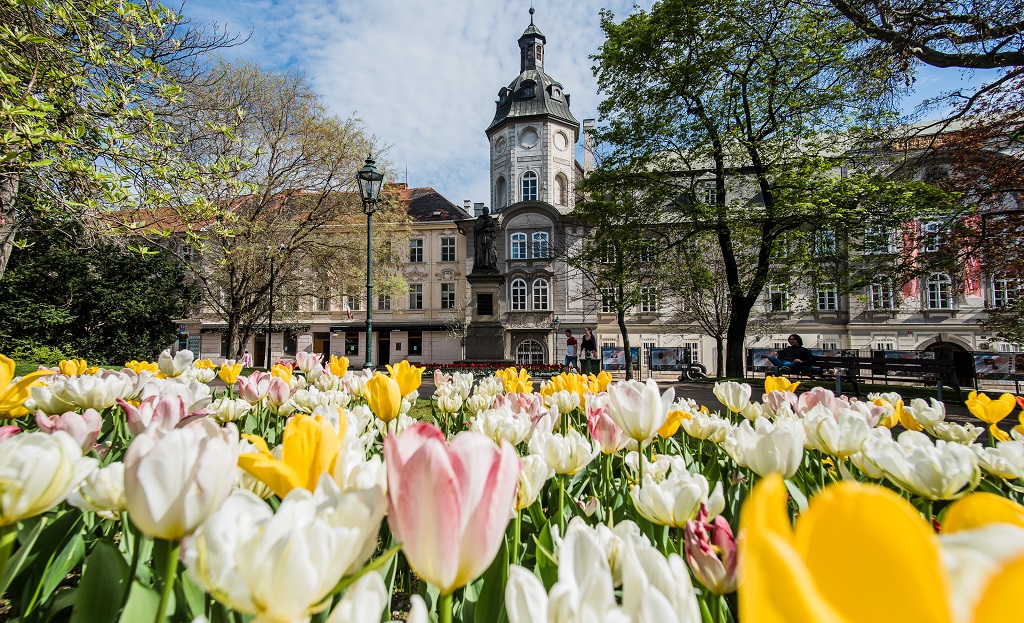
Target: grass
<point>907,391</point>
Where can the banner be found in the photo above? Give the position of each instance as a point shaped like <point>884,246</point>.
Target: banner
<point>614,357</point>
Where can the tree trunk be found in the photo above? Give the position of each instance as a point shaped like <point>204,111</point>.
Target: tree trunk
<point>738,318</point>
<point>8,216</point>
<point>620,315</point>
<point>720,355</point>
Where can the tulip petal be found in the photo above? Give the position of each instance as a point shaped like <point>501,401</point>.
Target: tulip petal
<point>979,509</point>
<point>277,475</point>
<point>850,533</point>
<point>1000,602</point>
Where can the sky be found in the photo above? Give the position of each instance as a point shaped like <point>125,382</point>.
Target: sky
<point>423,75</point>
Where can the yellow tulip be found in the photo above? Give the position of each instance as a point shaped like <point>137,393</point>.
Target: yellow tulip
<point>604,379</point>
<point>229,373</point>
<point>898,415</point>
<point>138,366</point>
<point>282,372</point>
<point>516,381</point>
<point>823,569</point>
<point>671,424</point>
<point>408,376</point>
<point>339,365</point>
<point>13,395</point>
<point>384,396</point>
<point>571,382</point>
<point>779,383</point>
<point>309,448</point>
<point>71,367</point>
<point>988,410</point>
<point>204,363</point>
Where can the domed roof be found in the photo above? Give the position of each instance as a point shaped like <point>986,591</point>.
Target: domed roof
<point>533,94</point>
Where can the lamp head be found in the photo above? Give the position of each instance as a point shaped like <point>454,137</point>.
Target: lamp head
<point>370,181</point>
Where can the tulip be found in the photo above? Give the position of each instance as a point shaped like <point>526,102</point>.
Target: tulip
<point>1005,461</point>
<point>501,423</point>
<point>566,454</point>
<point>603,380</point>
<point>282,566</point>
<point>657,589</point>
<point>229,372</point>
<point>254,388</point>
<point>964,434</point>
<point>937,472</point>
<point>48,399</point>
<point>409,377</point>
<point>307,362</point>
<point>639,409</point>
<point>790,573</point>
<point>767,447</point>
<point>535,473</point>
<point>226,409</point>
<point>138,367</point>
<point>278,393</point>
<point>712,557</point>
<point>96,392</point>
<point>72,367</point>
<point>384,395</point>
<point>449,503</point>
<point>102,492</point>
<point>603,429</point>
<point>165,411</point>
<point>174,479</point>
<point>83,427</point>
<point>775,400</point>
<point>310,446</point>
<point>673,501</point>
<point>838,435</point>
<point>338,365</point>
<point>366,600</point>
<point>515,380</point>
<point>779,383</point>
<point>703,426</point>
<point>176,365</point>
<point>38,471</point>
<point>6,432</point>
<point>13,394</point>
<point>988,410</point>
<point>283,372</point>
<point>735,396</point>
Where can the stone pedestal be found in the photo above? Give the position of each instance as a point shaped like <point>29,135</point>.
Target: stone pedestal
<point>485,337</point>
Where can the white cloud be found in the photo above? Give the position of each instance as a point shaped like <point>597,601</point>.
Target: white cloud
<point>423,76</point>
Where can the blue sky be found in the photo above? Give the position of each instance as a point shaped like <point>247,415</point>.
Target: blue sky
<point>423,75</point>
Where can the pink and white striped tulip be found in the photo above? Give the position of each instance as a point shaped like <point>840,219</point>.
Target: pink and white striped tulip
<point>449,503</point>
<point>603,428</point>
<point>83,427</point>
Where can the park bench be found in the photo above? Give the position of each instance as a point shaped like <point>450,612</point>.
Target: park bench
<point>941,372</point>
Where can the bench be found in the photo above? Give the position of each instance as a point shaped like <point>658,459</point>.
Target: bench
<point>942,372</point>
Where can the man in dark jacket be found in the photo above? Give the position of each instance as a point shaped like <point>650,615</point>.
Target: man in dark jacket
<point>794,358</point>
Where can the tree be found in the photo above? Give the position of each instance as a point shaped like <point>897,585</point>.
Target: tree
<point>95,300</point>
<point>291,200</point>
<point>700,286</point>
<point>756,98</point>
<point>84,90</point>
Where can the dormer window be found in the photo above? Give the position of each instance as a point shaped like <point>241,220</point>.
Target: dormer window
<point>556,93</point>
<point>527,92</point>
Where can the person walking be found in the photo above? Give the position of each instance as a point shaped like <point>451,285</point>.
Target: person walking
<point>571,352</point>
<point>246,360</point>
<point>589,347</point>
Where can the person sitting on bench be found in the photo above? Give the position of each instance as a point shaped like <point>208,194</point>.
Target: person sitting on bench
<point>794,358</point>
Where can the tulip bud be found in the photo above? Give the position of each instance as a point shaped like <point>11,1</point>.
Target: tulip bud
<point>712,558</point>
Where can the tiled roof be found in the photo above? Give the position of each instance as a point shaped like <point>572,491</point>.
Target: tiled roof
<point>427,205</point>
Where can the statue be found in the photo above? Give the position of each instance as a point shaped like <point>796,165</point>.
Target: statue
<point>485,252</point>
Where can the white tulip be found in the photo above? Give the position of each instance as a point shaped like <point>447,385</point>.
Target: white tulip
<point>972,557</point>
<point>37,472</point>
<point>838,435</point>
<point>202,375</point>
<point>704,426</point>
<point>102,492</point>
<point>672,501</point>
<point>937,472</point>
<point>767,447</point>
<point>478,402</point>
<point>176,365</point>
<point>565,401</point>
<point>490,386</point>
<point>656,589</point>
<point>463,383</point>
<point>534,474</point>
<point>566,454</point>
<point>735,396</point>
<point>92,391</point>
<point>965,434</point>
<point>174,479</point>
<point>753,410</point>
<point>927,414</point>
<point>501,423</point>
<point>47,398</point>
<point>367,599</point>
<point>450,403</point>
<point>639,409</point>
<point>1005,461</point>
<point>353,471</point>
<point>877,437</point>
<point>226,409</point>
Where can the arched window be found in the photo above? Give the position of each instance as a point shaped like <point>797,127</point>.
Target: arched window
<point>529,352</point>
<point>561,190</point>
<point>518,246</point>
<point>500,193</point>
<point>540,295</point>
<point>940,291</point>
<point>518,295</point>
<point>541,248</point>
<point>529,186</point>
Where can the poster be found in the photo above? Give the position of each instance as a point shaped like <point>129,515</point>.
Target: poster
<point>614,357</point>
<point>668,359</point>
<point>996,366</point>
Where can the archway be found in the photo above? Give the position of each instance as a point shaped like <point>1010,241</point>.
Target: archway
<point>530,352</point>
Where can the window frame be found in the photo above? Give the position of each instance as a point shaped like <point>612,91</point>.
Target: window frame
<point>939,290</point>
<point>529,186</point>
<point>447,293</point>
<point>827,297</point>
<point>540,245</point>
<point>540,295</point>
<point>519,246</point>
<point>416,296</point>
<point>449,252</point>
<point>518,295</point>
<point>650,300</point>
<point>416,250</point>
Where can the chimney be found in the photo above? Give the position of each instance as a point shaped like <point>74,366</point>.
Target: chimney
<point>467,205</point>
<point>588,146</point>
<point>478,208</point>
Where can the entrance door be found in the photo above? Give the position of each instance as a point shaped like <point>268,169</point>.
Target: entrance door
<point>259,349</point>
<point>322,345</point>
<point>383,349</point>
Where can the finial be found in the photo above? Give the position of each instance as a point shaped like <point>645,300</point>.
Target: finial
<point>531,13</point>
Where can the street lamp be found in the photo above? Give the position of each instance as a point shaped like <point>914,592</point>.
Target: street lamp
<point>270,313</point>
<point>556,323</point>
<point>370,181</point>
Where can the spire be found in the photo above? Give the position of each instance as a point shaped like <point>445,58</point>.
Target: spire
<point>531,47</point>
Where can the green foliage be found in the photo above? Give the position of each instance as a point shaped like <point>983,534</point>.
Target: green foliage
<point>63,297</point>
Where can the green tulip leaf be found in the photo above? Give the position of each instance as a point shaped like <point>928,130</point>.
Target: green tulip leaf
<point>104,582</point>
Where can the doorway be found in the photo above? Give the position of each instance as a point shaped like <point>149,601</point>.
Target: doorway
<point>322,345</point>
<point>383,349</point>
<point>259,350</point>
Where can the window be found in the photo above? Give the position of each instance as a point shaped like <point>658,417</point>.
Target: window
<point>529,352</point>
<point>540,295</point>
<point>880,296</point>
<point>415,343</point>
<point>825,243</point>
<point>500,193</point>
<point>931,240</point>
<point>225,345</point>
<point>879,239</point>
<point>290,343</point>
<point>519,246</point>
<point>607,300</point>
<point>323,303</point>
<point>352,302</point>
<point>883,343</point>
<point>447,296</point>
<point>708,193</point>
<point>940,291</point>
<point>529,186</point>
<point>540,244</point>
<point>351,344</point>
<point>829,342</point>
<point>518,295</point>
<point>649,300</point>
<point>828,297</point>
<point>416,250</point>
<point>416,296</point>
<point>778,299</point>
<point>448,249</point>
<point>692,351</point>
<point>646,252</point>
<point>561,190</point>
<point>607,251</point>
<point>384,302</point>
<point>1004,291</point>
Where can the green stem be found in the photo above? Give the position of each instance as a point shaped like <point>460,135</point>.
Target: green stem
<point>169,572</point>
<point>640,463</point>
<point>8,535</point>
<point>561,505</point>
<point>136,551</point>
<point>444,609</point>
<point>514,559</point>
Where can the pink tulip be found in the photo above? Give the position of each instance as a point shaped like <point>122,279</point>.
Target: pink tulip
<point>818,395</point>
<point>254,387</point>
<point>278,392</point>
<point>774,400</point>
<point>602,428</point>
<point>716,570</point>
<point>6,432</point>
<point>84,427</point>
<point>440,378</point>
<point>165,411</point>
<point>449,503</point>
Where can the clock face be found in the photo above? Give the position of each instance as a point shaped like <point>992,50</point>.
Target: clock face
<point>561,141</point>
<point>528,138</point>
<point>499,145</point>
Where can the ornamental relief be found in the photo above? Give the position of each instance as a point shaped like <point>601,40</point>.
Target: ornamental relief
<point>447,274</point>
<point>416,273</point>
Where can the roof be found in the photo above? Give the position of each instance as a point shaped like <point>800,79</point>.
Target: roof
<point>427,205</point>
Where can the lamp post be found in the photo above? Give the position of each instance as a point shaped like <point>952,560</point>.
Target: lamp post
<point>556,323</point>
<point>370,181</point>
<point>270,313</point>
